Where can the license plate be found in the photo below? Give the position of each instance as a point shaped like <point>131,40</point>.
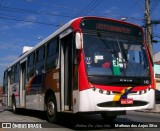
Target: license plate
<point>126,101</point>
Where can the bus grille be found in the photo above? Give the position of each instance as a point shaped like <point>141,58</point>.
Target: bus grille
<point>118,104</point>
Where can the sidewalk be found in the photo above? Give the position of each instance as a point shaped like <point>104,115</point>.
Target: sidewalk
<point>3,108</point>
<point>156,110</point>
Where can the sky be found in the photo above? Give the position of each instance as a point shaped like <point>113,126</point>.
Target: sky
<point>27,22</point>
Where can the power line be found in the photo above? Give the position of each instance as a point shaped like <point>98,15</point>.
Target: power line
<point>81,11</point>
<point>140,5</point>
<point>157,36</point>
<point>1,2</point>
<point>90,6</point>
<point>53,5</point>
<point>19,10</point>
<point>155,5</point>
<point>27,20</point>
<point>33,12</point>
<point>94,5</point>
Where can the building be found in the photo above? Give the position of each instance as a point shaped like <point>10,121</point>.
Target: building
<point>1,90</point>
<point>156,60</point>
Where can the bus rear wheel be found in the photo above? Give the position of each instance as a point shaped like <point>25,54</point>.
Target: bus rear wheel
<point>51,109</point>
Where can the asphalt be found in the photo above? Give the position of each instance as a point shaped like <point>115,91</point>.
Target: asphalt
<point>156,109</point>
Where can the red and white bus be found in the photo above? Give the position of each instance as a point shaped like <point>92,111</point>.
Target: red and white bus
<point>90,64</point>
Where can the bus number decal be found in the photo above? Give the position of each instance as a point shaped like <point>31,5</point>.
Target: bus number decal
<point>56,75</point>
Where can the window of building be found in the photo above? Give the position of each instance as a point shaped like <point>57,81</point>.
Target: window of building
<point>157,75</point>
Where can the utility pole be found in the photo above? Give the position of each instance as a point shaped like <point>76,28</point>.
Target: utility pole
<point>148,26</point>
<point>149,34</point>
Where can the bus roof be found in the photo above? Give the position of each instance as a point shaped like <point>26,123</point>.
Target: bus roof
<point>60,30</point>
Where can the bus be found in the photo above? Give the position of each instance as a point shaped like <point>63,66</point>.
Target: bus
<point>89,65</point>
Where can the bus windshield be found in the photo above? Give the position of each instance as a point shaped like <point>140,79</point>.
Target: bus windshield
<point>115,56</point>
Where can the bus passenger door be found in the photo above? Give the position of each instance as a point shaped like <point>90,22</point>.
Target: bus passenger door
<point>5,88</point>
<point>9,103</point>
<point>22,83</point>
<point>66,72</point>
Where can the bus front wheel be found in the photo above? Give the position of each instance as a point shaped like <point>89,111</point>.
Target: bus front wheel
<point>51,109</point>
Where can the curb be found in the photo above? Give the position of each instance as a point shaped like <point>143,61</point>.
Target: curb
<point>149,111</point>
<point>156,110</point>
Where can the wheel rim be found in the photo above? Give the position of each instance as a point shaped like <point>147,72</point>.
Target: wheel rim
<point>51,108</point>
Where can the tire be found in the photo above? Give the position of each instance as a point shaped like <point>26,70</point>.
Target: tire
<point>108,118</point>
<point>51,109</point>
<point>14,108</point>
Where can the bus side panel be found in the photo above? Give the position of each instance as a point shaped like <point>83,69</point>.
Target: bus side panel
<point>33,92</point>
<point>83,81</point>
<point>51,81</point>
<point>76,101</point>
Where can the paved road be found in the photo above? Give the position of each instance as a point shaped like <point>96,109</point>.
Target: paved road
<point>72,122</point>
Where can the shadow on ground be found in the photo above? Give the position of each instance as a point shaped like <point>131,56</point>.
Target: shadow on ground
<point>158,102</point>
<point>76,121</point>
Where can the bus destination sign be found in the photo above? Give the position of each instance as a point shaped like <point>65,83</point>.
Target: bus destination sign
<point>110,26</point>
<point>113,28</point>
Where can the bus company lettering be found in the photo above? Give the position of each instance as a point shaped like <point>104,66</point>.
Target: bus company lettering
<point>113,28</point>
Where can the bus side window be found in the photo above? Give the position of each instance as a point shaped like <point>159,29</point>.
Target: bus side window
<point>16,73</point>
<point>40,60</point>
<point>31,60</point>
<point>13,69</point>
<point>52,54</point>
<point>5,82</point>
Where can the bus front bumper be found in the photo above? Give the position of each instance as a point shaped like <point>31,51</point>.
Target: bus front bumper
<point>90,100</point>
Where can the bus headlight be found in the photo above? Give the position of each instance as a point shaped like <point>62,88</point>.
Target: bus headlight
<point>140,92</point>
<point>93,88</point>
<point>108,92</point>
<point>101,91</point>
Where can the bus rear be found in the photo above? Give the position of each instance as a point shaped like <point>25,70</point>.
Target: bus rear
<point>115,70</point>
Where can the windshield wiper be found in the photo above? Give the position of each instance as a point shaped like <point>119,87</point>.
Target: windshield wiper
<point>108,46</point>
<point>122,56</point>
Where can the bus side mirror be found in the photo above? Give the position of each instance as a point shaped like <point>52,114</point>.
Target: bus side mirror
<point>79,40</point>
